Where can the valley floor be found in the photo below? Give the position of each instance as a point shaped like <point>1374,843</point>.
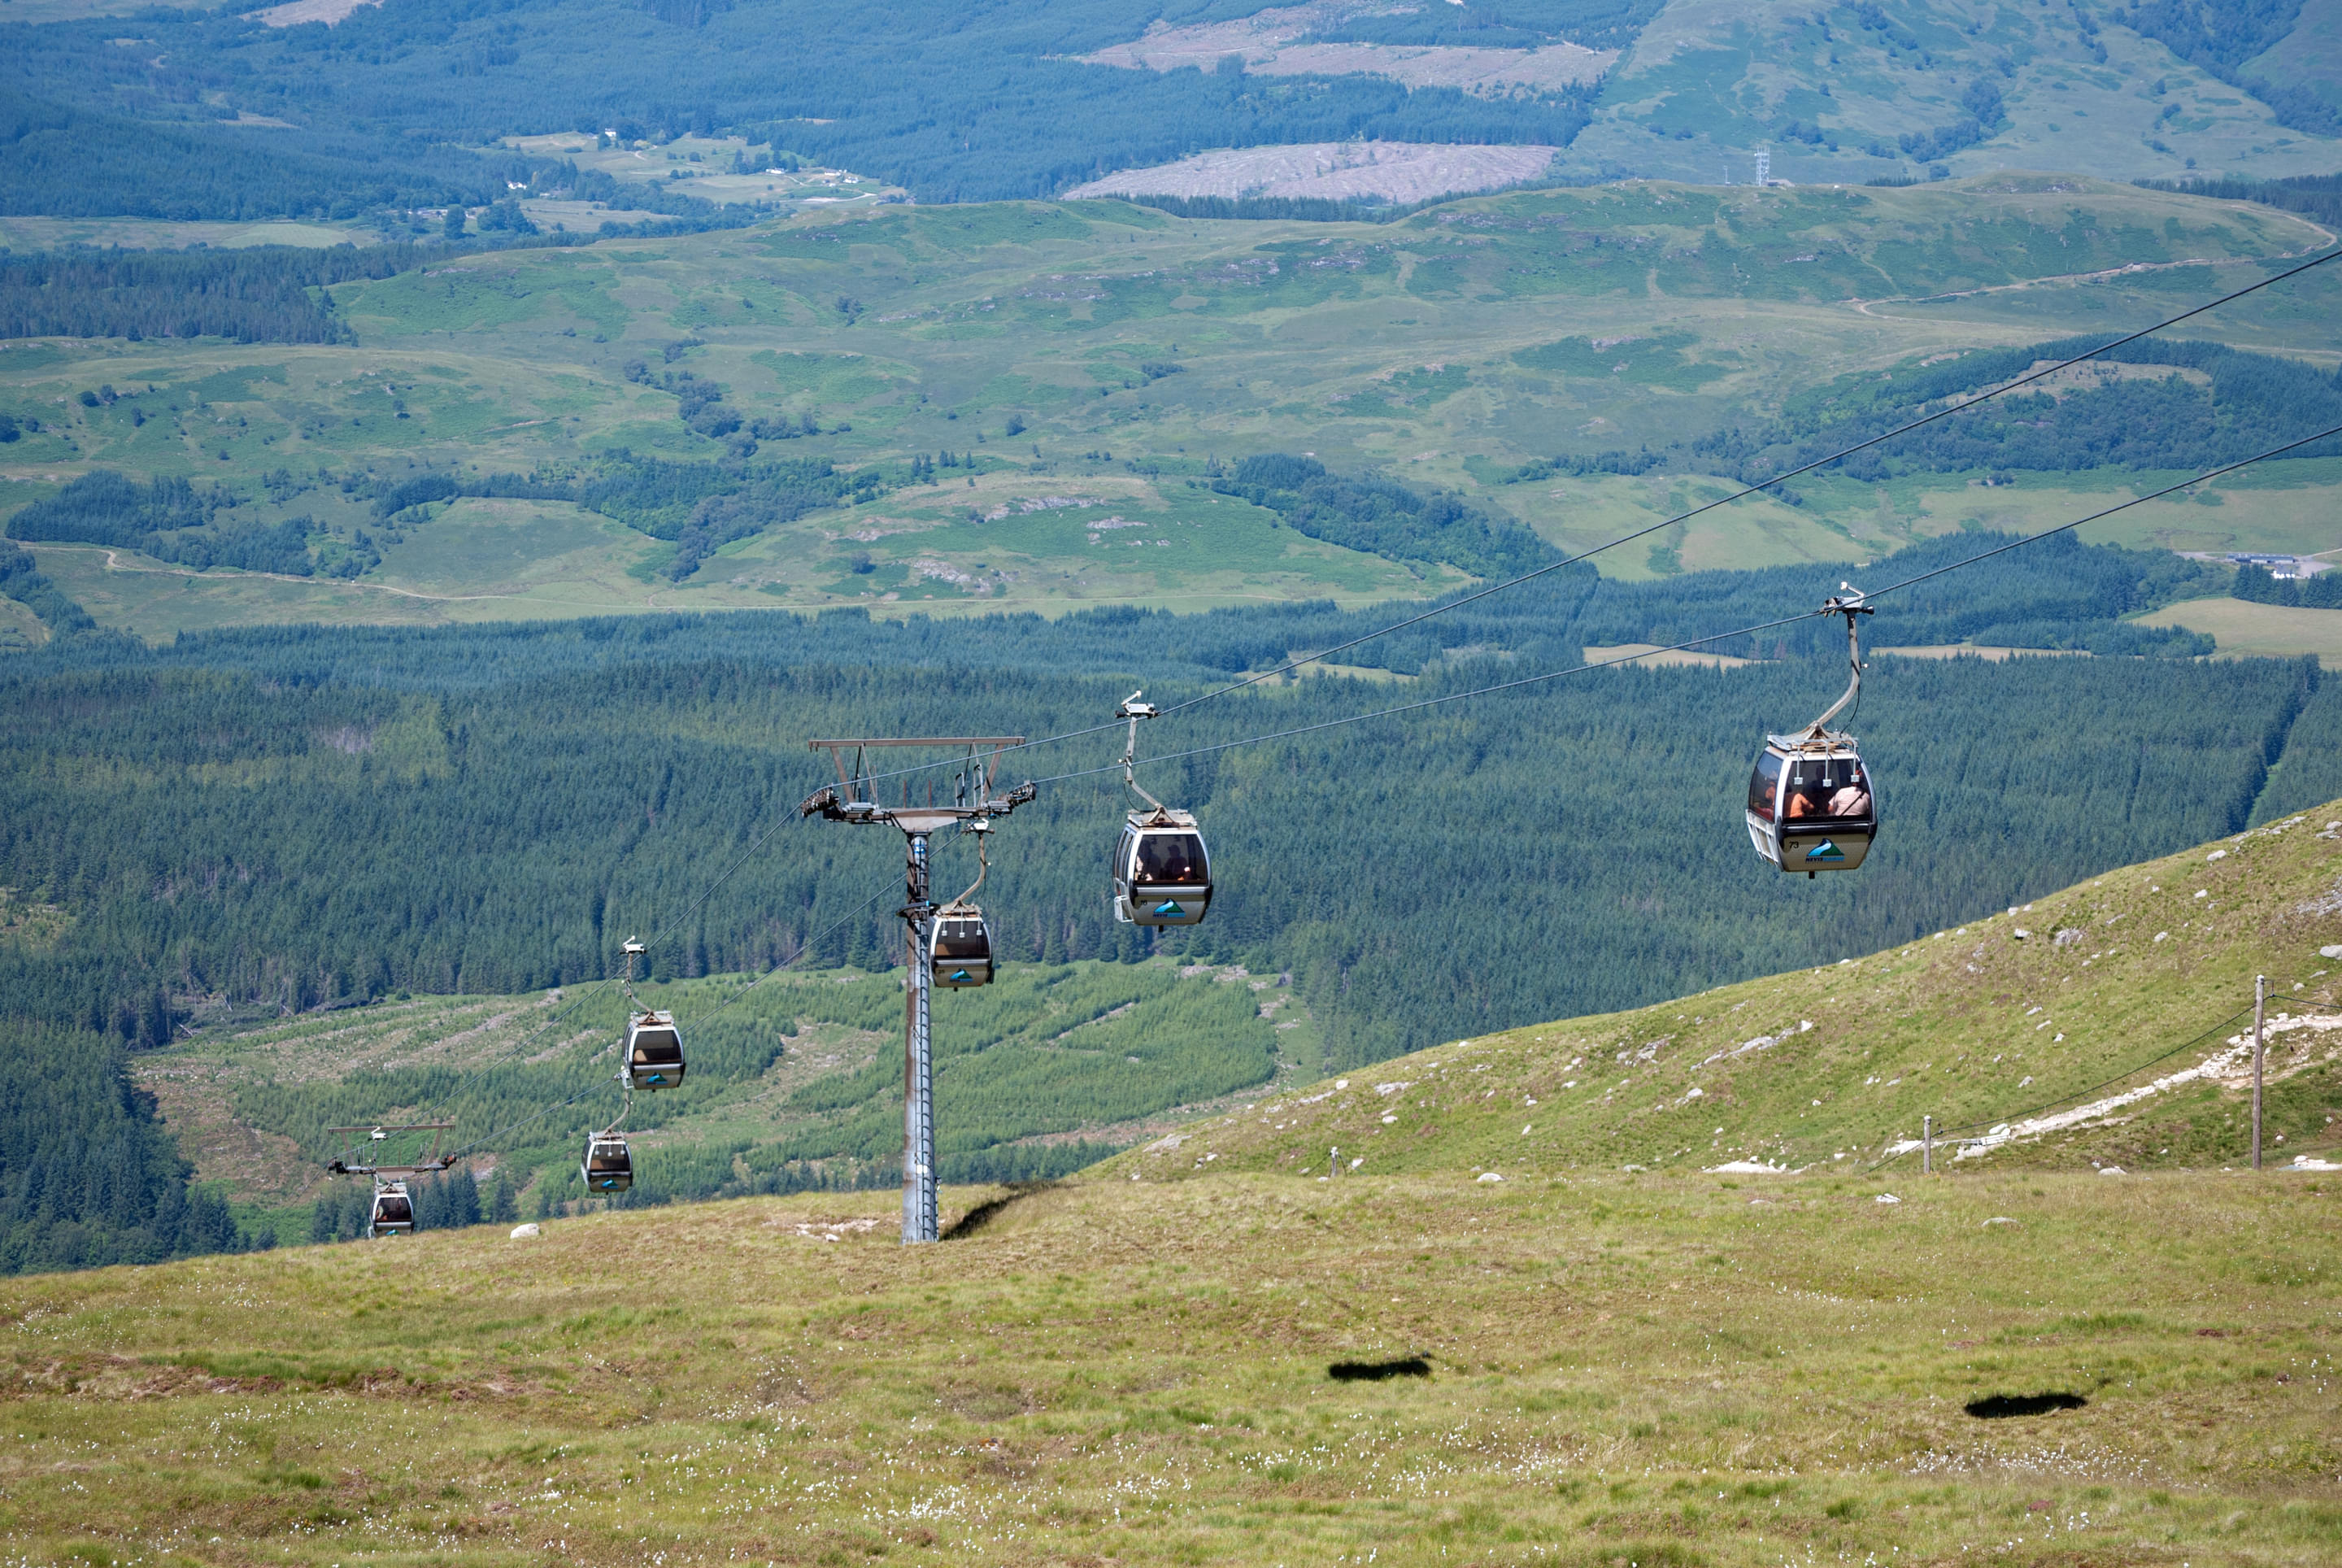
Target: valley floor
<point>1580,1368</point>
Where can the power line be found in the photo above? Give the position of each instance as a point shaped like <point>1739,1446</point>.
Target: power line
<point>1462,696</point>
<point>1388,713</point>
<point>675,920</point>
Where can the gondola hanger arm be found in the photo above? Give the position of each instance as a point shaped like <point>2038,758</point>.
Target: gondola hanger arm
<point>1132,708</point>
<point>1852,603</point>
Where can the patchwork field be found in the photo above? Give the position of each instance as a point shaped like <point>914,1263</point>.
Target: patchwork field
<point>162,233</point>
<point>1400,172</point>
<point>1278,41</point>
<point>1710,81</point>
<point>2247,630</point>
<point>1102,350</point>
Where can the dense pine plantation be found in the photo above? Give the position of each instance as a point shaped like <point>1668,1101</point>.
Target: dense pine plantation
<point>303,818</point>
<point>242,816</point>
<point>91,1179</point>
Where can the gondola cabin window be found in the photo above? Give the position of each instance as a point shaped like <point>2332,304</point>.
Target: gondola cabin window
<point>960,940</point>
<point>1831,789</point>
<point>653,1051</point>
<point>1764,784</point>
<point>1171,859</point>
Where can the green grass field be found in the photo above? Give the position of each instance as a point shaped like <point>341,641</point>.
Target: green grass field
<point>2138,973</point>
<point>1129,350</point>
<point>1656,1288</point>
<point>2247,630</point>
<point>1596,1369</point>
<point>1026,1060</point>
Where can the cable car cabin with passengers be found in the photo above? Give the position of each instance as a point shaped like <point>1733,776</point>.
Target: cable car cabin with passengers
<point>961,953</point>
<point>607,1166</point>
<point>1811,806</point>
<point>1161,872</point>
<point>394,1211</point>
<point>653,1051</point>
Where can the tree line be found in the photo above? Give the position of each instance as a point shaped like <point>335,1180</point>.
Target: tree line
<point>2256,584</point>
<point>87,1175</point>
<point>957,105</point>
<point>1384,518</point>
<point>307,815</point>
<point>2248,402</point>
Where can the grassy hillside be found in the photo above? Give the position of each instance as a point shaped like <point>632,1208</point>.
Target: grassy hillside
<point>2009,1022</point>
<point>797,1083</point>
<point>1597,1369</point>
<point>1121,345</point>
<point>1854,93</point>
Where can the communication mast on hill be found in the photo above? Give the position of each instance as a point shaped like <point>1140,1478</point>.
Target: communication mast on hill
<point>1763,167</point>
<point>853,799</point>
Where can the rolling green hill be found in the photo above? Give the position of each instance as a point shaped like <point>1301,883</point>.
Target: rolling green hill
<point>1208,1349</point>
<point>2008,1028</point>
<point>1105,354</point>
<point>1860,92</point>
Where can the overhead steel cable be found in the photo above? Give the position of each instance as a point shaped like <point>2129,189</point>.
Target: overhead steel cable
<point>2029,379</point>
<point>672,924</point>
<point>2204,478</point>
<point>811,943</point>
<point>1115,767</point>
<point>667,928</point>
<point>1523,681</point>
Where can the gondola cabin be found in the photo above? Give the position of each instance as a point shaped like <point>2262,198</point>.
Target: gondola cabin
<point>1161,872</point>
<point>394,1211</point>
<point>1811,804</point>
<point>962,954</point>
<point>653,1051</point>
<point>607,1166</point>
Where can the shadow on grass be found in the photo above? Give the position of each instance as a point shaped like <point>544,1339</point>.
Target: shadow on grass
<point>983,1214</point>
<point>2001,1406</point>
<point>1378,1372</point>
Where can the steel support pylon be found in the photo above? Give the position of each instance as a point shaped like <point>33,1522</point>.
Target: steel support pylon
<point>855,798</point>
<point>918,1050</point>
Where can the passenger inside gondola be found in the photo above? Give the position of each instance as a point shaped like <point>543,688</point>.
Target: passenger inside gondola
<point>394,1209</point>
<point>1852,797</point>
<point>1835,789</point>
<point>1170,857</point>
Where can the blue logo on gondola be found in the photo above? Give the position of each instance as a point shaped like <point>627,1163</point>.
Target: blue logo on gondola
<point>1825,850</point>
<point>959,975</point>
<point>1168,908</point>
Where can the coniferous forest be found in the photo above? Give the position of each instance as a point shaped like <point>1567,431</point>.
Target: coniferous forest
<point>303,815</point>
